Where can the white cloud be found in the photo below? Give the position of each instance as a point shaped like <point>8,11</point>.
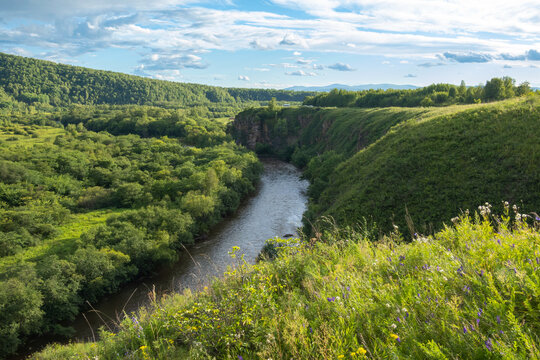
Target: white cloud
<point>341,67</point>
<point>300,73</point>
<point>243,77</point>
<point>303,61</point>
<point>297,53</point>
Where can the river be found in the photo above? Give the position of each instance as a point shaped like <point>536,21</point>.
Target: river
<point>274,210</point>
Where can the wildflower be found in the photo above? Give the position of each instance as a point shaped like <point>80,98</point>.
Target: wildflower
<point>395,337</point>
<point>331,299</point>
<point>498,319</point>
<point>489,345</point>
<point>537,218</point>
<point>464,330</point>
<point>348,288</point>
<point>361,351</point>
<point>398,319</point>
<point>477,322</point>
<point>480,311</point>
<point>240,357</point>
<point>393,326</point>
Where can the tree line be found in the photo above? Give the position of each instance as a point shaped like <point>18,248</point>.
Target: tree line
<point>432,95</point>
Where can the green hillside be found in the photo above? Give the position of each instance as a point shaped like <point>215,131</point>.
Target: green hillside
<point>44,82</point>
<point>438,166</point>
<point>377,164</point>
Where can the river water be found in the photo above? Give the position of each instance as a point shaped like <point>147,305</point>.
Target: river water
<point>274,210</point>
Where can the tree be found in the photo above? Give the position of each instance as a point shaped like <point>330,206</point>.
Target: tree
<point>494,89</point>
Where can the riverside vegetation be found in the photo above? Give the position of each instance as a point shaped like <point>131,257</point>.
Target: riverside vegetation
<point>97,189</point>
<point>469,291</point>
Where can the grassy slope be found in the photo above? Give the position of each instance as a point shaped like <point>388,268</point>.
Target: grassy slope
<point>470,292</point>
<point>66,242</point>
<point>437,164</point>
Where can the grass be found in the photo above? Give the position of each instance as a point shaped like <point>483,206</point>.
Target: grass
<point>471,291</point>
<point>435,164</point>
<point>66,241</point>
<point>38,135</point>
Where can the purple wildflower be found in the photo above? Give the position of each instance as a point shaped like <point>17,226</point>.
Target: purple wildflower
<point>406,314</point>
<point>348,288</point>
<point>310,330</point>
<point>464,330</point>
<point>240,357</point>
<point>537,218</point>
<point>401,257</point>
<point>477,322</point>
<point>499,241</point>
<point>498,319</point>
<point>398,319</point>
<point>489,345</point>
<point>331,299</point>
<point>480,312</point>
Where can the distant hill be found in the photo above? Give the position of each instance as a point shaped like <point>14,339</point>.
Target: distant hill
<point>37,81</point>
<point>352,87</point>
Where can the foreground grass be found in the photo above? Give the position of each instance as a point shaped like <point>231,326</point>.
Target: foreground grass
<point>471,291</point>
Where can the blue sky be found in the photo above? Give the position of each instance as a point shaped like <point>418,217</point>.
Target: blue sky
<point>281,43</point>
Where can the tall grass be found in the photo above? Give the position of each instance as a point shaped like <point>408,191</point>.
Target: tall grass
<point>471,291</point>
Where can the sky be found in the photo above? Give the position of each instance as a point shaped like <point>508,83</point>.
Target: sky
<point>282,43</point>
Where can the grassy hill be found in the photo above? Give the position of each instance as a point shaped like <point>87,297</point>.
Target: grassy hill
<point>470,291</point>
<point>380,164</point>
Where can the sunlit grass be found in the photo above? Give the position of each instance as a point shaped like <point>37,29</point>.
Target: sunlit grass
<point>66,240</point>
<point>34,135</point>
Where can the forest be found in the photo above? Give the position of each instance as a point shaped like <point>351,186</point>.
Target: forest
<point>83,212</point>
<point>433,95</point>
<point>45,84</point>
